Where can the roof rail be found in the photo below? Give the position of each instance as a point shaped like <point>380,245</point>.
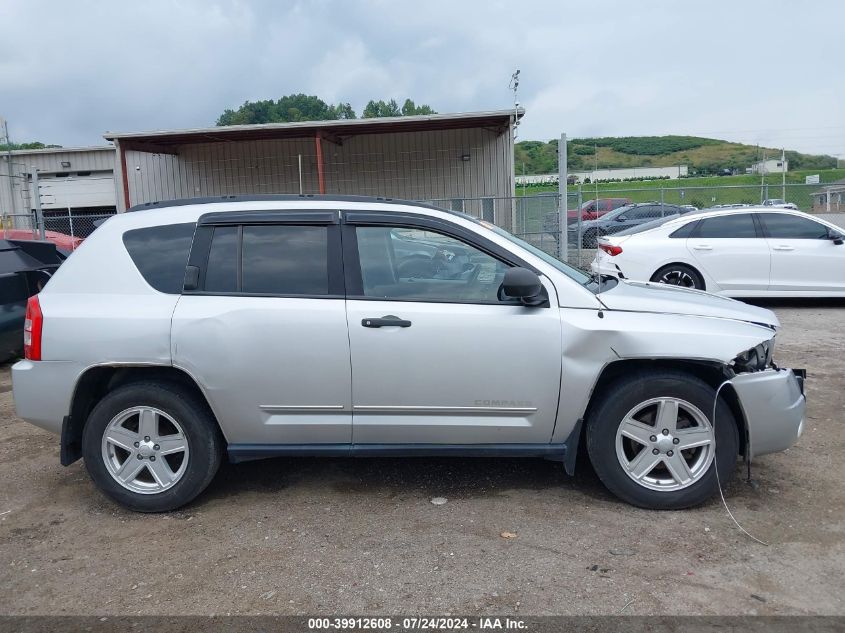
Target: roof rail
<point>292,197</point>
<point>275,197</point>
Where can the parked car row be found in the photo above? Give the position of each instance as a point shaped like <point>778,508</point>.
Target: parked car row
<point>589,210</point>
<point>621,219</point>
<point>738,252</point>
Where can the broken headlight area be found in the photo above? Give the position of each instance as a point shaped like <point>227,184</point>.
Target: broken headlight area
<point>757,358</point>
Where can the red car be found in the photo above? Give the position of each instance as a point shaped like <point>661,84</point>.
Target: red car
<point>594,209</point>
<point>61,240</point>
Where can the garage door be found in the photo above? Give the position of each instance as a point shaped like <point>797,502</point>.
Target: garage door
<point>77,190</point>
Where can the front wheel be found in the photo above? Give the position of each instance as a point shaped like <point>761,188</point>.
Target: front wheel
<point>653,444</point>
<point>151,446</point>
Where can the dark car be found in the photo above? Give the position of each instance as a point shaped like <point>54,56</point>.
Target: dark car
<point>24,269</point>
<point>621,219</point>
<point>590,210</point>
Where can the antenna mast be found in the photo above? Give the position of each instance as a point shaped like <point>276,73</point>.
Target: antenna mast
<point>514,86</point>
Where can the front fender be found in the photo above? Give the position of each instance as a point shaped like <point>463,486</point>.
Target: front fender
<point>592,339</point>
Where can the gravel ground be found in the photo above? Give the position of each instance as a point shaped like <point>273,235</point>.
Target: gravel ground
<point>362,536</point>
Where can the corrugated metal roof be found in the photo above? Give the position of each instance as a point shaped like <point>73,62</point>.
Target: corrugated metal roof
<point>338,128</point>
<point>60,150</point>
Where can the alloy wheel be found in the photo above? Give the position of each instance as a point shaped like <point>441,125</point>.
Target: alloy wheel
<point>145,450</point>
<point>676,277</point>
<point>665,444</point>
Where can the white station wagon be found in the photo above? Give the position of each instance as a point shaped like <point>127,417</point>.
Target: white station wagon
<point>183,332</point>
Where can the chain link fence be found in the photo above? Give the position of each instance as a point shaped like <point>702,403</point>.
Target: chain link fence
<point>67,229</point>
<point>533,218</point>
<point>536,218</point>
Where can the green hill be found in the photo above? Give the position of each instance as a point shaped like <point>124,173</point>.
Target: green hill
<point>703,155</point>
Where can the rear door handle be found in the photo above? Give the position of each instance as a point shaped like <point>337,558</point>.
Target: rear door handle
<point>783,247</point>
<point>386,321</point>
<point>703,247</point>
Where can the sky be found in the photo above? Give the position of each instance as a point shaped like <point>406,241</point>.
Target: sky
<point>757,72</point>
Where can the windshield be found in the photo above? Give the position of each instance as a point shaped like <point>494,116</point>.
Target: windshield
<point>570,271</point>
<point>617,212</point>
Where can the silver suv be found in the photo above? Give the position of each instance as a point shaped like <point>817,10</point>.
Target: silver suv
<point>184,331</point>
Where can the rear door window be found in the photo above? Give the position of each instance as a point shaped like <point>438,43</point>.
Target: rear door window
<point>285,260</point>
<point>269,259</point>
<point>792,227</point>
<point>161,253</point>
<point>222,269</point>
<point>740,225</point>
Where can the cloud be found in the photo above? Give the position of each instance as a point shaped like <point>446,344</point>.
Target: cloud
<point>755,72</point>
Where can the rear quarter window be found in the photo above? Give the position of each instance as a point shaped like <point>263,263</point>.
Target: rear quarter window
<point>685,231</point>
<point>160,253</point>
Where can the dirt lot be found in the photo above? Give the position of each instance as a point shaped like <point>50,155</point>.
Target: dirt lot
<point>361,536</point>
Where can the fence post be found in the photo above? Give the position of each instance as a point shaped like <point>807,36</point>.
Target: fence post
<point>579,220</point>
<point>661,202</point>
<point>70,221</point>
<point>36,194</point>
<point>563,206</point>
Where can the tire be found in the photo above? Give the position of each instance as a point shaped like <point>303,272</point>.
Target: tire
<point>174,467</point>
<point>679,275</point>
<point>614,454</point>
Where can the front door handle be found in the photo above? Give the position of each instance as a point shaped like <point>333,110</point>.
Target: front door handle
<point>386,321</point>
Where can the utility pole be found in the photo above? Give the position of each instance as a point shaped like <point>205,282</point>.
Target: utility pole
<point>595,180</point>
<point>514,86</point>
<point>783,173</point>
<point>563,207</point>
<point>8,143</point>
<point>36,195</point>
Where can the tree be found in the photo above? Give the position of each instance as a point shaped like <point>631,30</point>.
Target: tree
<point>376,109</point>
<point>301,107</point>
<point>5,147</point>
<point>344,111</point>
<point>295,107</point>
<point>380,108</point>
<point>410,109</point>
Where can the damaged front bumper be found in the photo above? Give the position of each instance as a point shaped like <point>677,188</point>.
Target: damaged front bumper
<point>773,404</point>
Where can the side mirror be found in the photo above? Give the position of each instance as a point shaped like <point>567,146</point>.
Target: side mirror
<point>621,218</point>
<point>523,284</point>
<point>837,237</point>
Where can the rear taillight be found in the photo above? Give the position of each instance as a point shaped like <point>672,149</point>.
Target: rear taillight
<point>611,249</point>
<point>32,329</point>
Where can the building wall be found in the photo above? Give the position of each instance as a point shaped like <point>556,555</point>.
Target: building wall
<point>412,165</point>
<point>98,161</point>
<point>770,166</point>
<point>676,171</point>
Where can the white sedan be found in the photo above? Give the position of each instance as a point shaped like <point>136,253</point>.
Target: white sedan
<point>738,252</point>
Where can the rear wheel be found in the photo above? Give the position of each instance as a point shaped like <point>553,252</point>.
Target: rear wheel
<point>679,275</point>
<point>653,444</point>
<point>151,446</point>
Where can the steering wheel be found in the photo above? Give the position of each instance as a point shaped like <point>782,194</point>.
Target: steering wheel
<point>469,286</point>
<point>417,266</point>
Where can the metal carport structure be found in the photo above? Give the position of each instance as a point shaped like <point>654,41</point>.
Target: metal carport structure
<point>444,157</point>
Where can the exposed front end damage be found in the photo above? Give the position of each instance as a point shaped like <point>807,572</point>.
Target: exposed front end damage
<point>773,404</point>
<point>771,399</point>
<point>733,349</point>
